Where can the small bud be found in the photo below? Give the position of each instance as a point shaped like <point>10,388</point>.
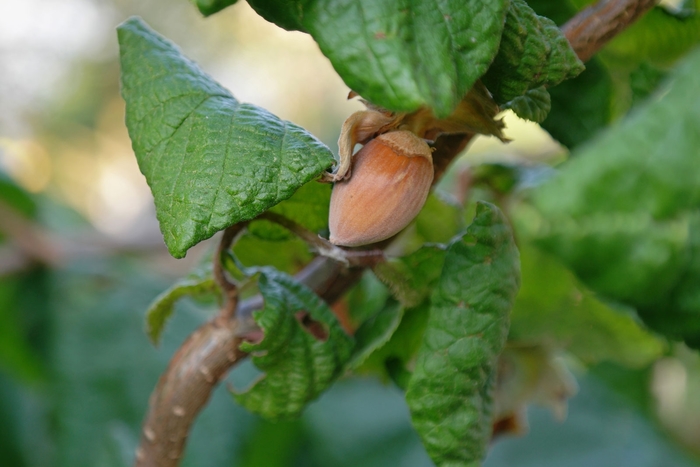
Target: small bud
<point>391,178</point>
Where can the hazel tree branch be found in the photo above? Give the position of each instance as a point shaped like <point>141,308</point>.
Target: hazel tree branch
<point>212,350</point>
<point>598,24</point>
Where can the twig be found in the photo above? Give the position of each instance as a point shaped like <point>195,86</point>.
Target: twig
<point>230,289</point>
<point>595,26</point>
<point>195,369</point>
<point>213,349</point>
<point>356,258</point>
<point>31,241</point>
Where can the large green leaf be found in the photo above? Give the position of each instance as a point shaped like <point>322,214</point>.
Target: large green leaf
<point>533,53</point>
<point>210,161</point>
<point>552,309</point>
<point>624,214</point>
<point>450,392</point>
<point>400,55</point>
<point>298,365</point>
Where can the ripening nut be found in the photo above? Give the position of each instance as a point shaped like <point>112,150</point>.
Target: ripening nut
<point>391,178</point>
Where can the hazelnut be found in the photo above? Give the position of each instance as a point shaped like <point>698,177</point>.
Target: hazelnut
<point>391,178</point>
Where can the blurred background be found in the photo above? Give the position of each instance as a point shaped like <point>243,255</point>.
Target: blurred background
<point>81,258</point>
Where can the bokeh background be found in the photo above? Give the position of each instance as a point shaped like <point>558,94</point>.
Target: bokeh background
<point>81,258</point>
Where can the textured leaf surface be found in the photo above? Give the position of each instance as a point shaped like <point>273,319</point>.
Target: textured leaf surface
<point>624,213</point>
<point>400,55</point>
<point>450,392</point>
<point>298,366</point>
<point>552,309</point>
<point>160,311</point>
<point>580,106</point>
<point>375,332</point>
<point>534,105</point>
<point>210,161</point>
<point>411,278</point>
<point>533,53</point>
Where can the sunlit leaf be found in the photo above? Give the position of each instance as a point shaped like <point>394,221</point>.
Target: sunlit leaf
<point>400,56</point>
<point>210,161</point>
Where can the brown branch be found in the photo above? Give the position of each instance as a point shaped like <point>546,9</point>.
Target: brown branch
<point>212,350</point>
<point>596,25</point>
<point>229,288</point>
<point>33,243</point>
<point>195,369</point>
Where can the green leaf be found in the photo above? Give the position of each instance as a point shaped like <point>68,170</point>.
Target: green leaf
<point>533,53</point>
<point>623,213</point>
<point>298,366</point>
<point>403,343</point>
<point>162,308</point>
<point>400,56</point>
<point>439,220</point>
<point>209,7</point>
<point>375,333</point>
<point>553,309</point>
<point>644,81</point>
<point>367,298</point>
<point>308,207</point>
<point>285,255</point>
<point>210,161</point>
<point>285,14</point>
<point>534,105</point>
<point>450,392</point>
<point>411,278</point>
<point>678,313</point>
<point>581,106</point>
<point>559,12</point>
<point>22,298</point>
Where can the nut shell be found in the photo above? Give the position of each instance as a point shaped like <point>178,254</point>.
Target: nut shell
<point>391,179</point>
